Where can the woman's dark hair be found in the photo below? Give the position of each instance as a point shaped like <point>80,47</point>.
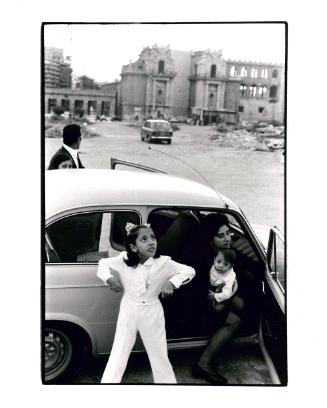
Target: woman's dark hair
<point>211,224</point>
<point>132,257</point>
<point>228,254</point>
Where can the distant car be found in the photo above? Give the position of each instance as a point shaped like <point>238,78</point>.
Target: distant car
<point>101,118</point>
<point>116,118</point>
<point>155,129</point>
<point>80,312</point>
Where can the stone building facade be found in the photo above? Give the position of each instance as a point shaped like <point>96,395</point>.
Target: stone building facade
<point>91,101</point>
<point>200,85</point>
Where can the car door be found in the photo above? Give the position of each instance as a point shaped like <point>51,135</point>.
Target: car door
<point>273,324</point>
<point>73,293</point>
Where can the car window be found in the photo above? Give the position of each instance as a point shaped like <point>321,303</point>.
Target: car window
<point>87,237</point>
<point>276,260</point>
<point>161,126</point>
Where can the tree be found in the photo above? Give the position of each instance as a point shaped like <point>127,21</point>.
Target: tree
<point>88,83</point>
<point>58,110</point>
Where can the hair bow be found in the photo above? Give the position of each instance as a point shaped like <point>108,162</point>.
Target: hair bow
<point>129,227</point>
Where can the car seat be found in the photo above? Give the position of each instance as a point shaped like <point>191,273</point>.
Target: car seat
<point>173,241</point>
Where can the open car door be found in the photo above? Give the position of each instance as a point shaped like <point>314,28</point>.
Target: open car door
<point>115,162</point>
<point>273,324</point>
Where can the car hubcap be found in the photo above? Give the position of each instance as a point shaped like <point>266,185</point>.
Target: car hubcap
<point>57,353</point>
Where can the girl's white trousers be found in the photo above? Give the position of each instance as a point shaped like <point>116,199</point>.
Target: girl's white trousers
<point>147,317</point>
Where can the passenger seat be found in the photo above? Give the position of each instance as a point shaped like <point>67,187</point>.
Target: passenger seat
<point>177,235</point>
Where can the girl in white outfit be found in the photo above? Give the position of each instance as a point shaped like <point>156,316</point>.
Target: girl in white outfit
<point>142,275</point>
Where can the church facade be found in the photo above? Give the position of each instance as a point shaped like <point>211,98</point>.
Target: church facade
<point>201,86</point>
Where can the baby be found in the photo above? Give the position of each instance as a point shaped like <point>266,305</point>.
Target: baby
<point>223,282</point>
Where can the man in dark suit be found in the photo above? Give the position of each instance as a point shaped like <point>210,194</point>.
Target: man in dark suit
<point>67,156</point>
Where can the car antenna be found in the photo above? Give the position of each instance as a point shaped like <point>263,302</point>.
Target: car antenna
<point>194,169</point>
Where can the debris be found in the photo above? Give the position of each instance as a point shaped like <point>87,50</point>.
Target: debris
<point>267,139</point>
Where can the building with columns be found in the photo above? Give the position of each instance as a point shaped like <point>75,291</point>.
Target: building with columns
<point>200,85</point>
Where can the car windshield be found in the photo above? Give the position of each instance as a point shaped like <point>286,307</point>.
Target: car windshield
<point>161,126</point>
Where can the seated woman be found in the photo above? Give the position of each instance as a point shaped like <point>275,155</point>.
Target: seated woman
<point>215,234</point>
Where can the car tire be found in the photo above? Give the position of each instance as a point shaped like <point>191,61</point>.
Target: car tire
<point>168,141</point>
<point>63,354</point>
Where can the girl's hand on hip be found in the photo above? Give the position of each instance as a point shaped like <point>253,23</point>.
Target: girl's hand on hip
<point>115,284</point>
<point>167,289</point>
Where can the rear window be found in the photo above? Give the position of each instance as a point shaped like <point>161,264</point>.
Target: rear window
<point>161,126</point>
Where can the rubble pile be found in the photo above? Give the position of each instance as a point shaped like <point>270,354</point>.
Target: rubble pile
<point>265,138</point>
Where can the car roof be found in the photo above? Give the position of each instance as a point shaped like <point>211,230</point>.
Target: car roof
<point>78,188</point>
<point>157,120</point>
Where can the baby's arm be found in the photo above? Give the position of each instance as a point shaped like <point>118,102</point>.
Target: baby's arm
<point>219,287</point>
<point>226,292</point>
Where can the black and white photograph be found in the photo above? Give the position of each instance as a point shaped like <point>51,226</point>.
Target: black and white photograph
<point>163,158</point>
<point>162,197</point>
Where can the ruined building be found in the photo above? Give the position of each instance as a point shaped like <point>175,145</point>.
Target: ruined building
<point>200,85</point>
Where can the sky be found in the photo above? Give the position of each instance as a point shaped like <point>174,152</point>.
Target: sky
<point>100,50</point>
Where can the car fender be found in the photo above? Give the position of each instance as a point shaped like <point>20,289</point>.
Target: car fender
<point>69,318</point>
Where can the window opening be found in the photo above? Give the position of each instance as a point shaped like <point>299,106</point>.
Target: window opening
<point>213,71</point>
<point>253,91</point>
<point>244,72</point>
<point>275,73</point>
<point>233,71</point>
<point>243,90</point>
<point>273,91</point>
<point>161,68</point>
<point>254,73</point>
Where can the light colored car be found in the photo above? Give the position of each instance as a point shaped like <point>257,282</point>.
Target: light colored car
<point>86,223</point>
<point>156,130</point>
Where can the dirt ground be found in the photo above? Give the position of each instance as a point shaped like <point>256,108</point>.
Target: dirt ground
<point>244,366</point>
<point>252,179</point>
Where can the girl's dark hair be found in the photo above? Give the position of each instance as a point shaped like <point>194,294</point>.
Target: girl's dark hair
<point>228,254</point>
<point>132,257</point>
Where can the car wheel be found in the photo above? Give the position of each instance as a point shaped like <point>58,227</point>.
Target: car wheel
<point>61,353</point>
<point>169,141</point>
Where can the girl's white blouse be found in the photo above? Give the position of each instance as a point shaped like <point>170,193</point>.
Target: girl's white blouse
<point>146,280</point>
